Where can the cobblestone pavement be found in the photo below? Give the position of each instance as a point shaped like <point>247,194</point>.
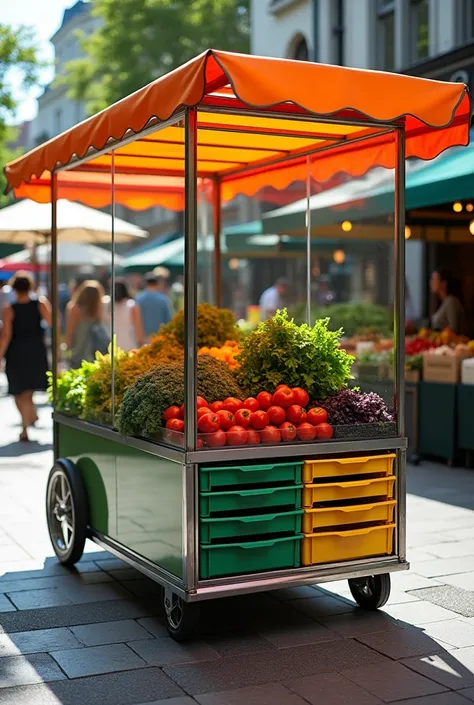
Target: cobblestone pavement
<point>95,635</point>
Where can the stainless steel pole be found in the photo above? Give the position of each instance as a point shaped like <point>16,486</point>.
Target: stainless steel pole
<point>216,207</point>
<point>190,278</point>
<point>112,285</point>
<point>308,240</point>
<point>54,303</point>
<point>400,281</point>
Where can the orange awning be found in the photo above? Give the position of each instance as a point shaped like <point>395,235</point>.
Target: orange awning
<point>246,152</point>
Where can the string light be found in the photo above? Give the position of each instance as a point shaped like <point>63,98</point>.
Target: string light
<point>407,232</point>
<point>471,227</point>
<point>457,207</point>
<point>339,256</point>
<point>346,226</point>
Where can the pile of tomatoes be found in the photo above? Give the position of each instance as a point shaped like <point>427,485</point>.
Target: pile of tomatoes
<point>267,418</point>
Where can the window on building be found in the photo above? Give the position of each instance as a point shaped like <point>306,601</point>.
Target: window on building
<point>419,30</point>
<point>466,21</point>
<point>386,35</point>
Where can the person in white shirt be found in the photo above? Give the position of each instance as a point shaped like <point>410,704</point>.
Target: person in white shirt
<point>273,299</point>
<point>127,318</point>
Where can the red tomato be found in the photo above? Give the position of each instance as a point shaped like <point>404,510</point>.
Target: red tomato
<point>270,434</point>
<point>253,437</point>
<point>276,415</point>
<point>217,406</point>
<point>288,431</point>
<point>216,439</point>
<point>237,436</point>
<point>201,402</point>
<point>226,418</point>
<point>301,396</point>
<point>259,419</point>
<point>181,411</point>
<point>175,425</point>
<point>202,411</point>
<point>295,414</point>
<point>306,432</point>
<point>280,386</point>
<point>172,412</point>
<point>304,417</point>
<point>200,443</point>
<point>242,417</point>
<point>232,404</point>
<point>324,430</point>
<point>264,400</point>
<point>317,415</point>
<point>208,423</point>
<point>252,404</point>
<point>284,397</point>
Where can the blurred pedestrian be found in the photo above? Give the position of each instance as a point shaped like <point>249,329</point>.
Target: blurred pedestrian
<point>272,299</point>
<point>156,308</point>
<point>128,325</point>
<point>450,313</point>
<point>23,345</point>
<point>86,333</point>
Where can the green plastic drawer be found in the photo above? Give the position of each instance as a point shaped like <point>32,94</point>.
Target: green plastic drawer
<point>251,557</point>
<point>212,530</point>
<point>220,503</point>
<point>211,478</point>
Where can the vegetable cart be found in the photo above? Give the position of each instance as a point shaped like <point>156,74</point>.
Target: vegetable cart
<point>206,520</point>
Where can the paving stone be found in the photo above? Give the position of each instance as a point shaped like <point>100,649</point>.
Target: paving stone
<point>456,599</point>
<point>80,594</point>
<point>410,580</point>
<point>453,669</point>
<point>360,622</point>
<point>37,641</point>
<point>33,599</point>
<point>93,660</point>
<point>331,689</point>
<point>237,644</point>
<point>306,632</point>
<point>54,581</point>
<point>295,593</point>
<point>403,643</point>
<point>154,625</point>
<point>125,688</point>
<point>49,568</point>
<point>269,694</point>
<point>285,664</point>
<point>418,613</point>
<point>72,615</point>
<point>440,699</point>
<point>453,549</point>
<point>111,563</point>
<point>467,693</point>
<point>110,632</point>
<point>392,681</point>
<point>125,574</point>
<point>324,606</point>
<point>454,632</point>
<point>143,588</point>
<point>6,605</point>
<point>397,597</point>
<point>465,581</point>
<point>446,566</point>
<point>24,670</point>
<point>164,651</point>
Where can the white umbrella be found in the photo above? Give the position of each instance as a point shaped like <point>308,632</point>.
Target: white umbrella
<point>69,254</point>
<point>28,221</point>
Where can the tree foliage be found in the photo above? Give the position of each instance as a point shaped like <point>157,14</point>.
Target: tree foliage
<point>142,39</point>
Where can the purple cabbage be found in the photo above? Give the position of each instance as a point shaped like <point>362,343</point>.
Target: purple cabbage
<point>350,407</point>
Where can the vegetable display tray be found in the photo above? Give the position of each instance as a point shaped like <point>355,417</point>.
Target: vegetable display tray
<point>352,490</point>
<point>212,530</point>
<point>249,557</point>
<point>381,465</point>
<point>335,546</point>
<point>322,518</point>
<point>215,478</point>
<point>242,501</point>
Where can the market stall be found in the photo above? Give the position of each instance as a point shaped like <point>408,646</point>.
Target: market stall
<point>215,463</point>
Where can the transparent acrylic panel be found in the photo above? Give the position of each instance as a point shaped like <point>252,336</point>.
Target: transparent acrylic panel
<point>84,270</point>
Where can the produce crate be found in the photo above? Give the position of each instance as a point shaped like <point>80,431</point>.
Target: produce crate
<point>316,519</point>
<point>240,501</point>
<point>249,557</point>
<point>442,368</point>
<point>353,490</point>
<point>335,546</point>
<point>212,478</point>
<point>338,467</point>
<point>211,530</point>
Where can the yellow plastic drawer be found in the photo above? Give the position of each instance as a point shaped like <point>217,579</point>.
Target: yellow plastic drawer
<point>335,546</point>
<point>339,467</point>
<point>343,491</point>
<point>317,519</point>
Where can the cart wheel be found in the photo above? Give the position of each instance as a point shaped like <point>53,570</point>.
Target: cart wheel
<point>181,617</point>
<point>66,511</point>
<point>371,592</point>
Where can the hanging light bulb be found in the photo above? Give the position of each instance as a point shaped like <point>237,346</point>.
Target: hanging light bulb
<point>339,256</point>
<point>457,207</point>
<point>233,263</point>
<point>469,207</point>
<point>346,226</point>
<point>471,227</point>
<point>407,232</point>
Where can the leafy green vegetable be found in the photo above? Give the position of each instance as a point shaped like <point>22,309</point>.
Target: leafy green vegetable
<point>280,351</point>
<point>71,388</point>
<point>356,317</point>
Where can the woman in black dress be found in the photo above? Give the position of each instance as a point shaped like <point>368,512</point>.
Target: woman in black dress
<point>22,344</point>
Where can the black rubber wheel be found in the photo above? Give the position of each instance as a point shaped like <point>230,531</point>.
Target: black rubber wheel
<point>371,592</point>
<point>182,618</point>
<point>67,511</point>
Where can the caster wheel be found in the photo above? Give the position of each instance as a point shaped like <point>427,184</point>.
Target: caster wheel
<point>66,511</point>
<point>371,592</point>
<point>181,617</point>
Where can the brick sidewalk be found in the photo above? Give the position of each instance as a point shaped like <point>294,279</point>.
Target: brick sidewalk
<point>95,635</point>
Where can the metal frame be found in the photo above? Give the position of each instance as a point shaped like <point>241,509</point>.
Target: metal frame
<point>191,588</point>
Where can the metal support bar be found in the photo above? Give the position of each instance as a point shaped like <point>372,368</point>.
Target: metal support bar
<point>54,302</point>
<point>217,215</point>
<point>400,281</point>
<point>112,293</point>
<point>190,277</point>
<point>308,240</point>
